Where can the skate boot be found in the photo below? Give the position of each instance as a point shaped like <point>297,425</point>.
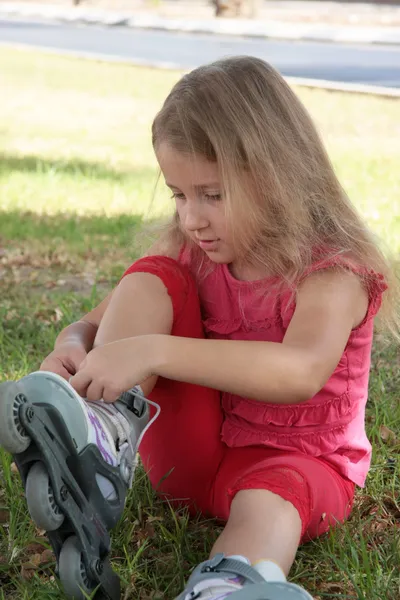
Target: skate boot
<point>220,578</point>
<point>77,461</point>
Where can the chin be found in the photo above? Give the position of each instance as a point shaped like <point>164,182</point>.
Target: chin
<point>219,258</point>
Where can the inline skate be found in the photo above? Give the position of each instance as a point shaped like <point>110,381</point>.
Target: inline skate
<point>77,461</point>
<point>220,577</point>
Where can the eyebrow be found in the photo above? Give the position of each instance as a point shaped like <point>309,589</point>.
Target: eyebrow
<point>200,186</point>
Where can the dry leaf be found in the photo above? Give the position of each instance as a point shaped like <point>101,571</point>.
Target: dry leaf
<point>58,315</point>
<point>46,557</point>
<point>31,564</point>
<point>11,314</point>
<point>4,516</point>
<point>27,573</point>
<point>34,548</point>
<point>149,529</point>
<point>151,519</point>
<point>387,435</point>
<point>41,534</point>
<point>35,559</point>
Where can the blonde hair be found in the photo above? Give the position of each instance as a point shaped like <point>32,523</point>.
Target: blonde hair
<point>240,113</point>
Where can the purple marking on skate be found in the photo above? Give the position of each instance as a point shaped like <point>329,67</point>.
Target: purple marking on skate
<point>100,434</point>
<point>236,579</point>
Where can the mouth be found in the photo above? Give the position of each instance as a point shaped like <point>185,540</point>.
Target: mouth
<point>208,244</point>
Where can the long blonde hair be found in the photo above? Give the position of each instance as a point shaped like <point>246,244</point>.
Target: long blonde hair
<point>240,113</point>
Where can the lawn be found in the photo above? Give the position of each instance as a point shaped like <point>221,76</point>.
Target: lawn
<point>77,180</point>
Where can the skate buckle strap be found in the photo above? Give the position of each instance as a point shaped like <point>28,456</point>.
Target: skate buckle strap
<point>224,567</point>
<point>138,405</point>
<point>135,400</point>
<point>231,566</point>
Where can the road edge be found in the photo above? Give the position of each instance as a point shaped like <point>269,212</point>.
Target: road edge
<point>281,30</point>
<point>333,86</point>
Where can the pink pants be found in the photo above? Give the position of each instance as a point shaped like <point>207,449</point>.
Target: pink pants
<point>188,463</point>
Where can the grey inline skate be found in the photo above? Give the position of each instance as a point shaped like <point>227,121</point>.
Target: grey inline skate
<point>77,461</point>
<point>205,583</point>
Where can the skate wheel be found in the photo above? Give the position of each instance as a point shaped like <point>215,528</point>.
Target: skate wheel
<point>40,499</point>
<point>72,571</point>
<point>13,436</point>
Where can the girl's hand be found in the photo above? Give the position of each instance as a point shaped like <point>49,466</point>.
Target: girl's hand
<point>114,368</point>
<point>65,359</point>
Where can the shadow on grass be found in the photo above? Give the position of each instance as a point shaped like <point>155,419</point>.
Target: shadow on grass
<point>75,166</point>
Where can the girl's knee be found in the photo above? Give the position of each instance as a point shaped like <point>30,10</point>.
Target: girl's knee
<point>319,494</point>
<point>263,505</point>
<point>286,490</point>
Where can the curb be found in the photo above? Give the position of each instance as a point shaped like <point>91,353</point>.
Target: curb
<point>337,86</point>
<point>334,86</point>
<point>316,32</point>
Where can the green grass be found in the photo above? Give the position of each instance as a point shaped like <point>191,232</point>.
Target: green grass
<point>77,176</point>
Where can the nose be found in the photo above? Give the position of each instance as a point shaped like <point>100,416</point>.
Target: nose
<point>194,217</point>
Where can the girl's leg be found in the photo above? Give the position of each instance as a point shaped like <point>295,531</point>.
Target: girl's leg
<point>261,525</point>
<point>182,449</point>
<point>274,500</point>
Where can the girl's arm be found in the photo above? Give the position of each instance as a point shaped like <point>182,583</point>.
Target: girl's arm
<point>140,307</point>
<point>329,305</point>
<point>74,342</point>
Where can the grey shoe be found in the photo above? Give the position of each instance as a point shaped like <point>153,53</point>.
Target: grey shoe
<point>76,461</point>
<point>254,585</point>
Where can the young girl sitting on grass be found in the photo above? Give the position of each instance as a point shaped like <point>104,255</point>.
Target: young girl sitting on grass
<point>250,323</point>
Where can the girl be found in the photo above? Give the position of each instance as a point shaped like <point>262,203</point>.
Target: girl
<point>250,323</point>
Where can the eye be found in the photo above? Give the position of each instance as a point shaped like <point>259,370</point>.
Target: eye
<point>177,196</point>
<point>214,197</point>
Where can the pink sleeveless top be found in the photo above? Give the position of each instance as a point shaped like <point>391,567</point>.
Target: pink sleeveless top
<point>331,424</point>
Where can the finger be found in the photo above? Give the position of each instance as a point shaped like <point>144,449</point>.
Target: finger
<point>80,382</point>
<point>72,363</point>
<point>94,391</point>
<point>110,395</point>
<point>82,364</point>
<point>55,366</point>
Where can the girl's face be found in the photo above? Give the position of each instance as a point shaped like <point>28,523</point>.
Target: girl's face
<point>196,188</point>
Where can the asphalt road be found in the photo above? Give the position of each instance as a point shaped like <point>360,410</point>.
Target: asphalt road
<point>373,65</point>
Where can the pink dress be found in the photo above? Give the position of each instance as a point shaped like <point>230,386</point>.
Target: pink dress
<point>331,424</point>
